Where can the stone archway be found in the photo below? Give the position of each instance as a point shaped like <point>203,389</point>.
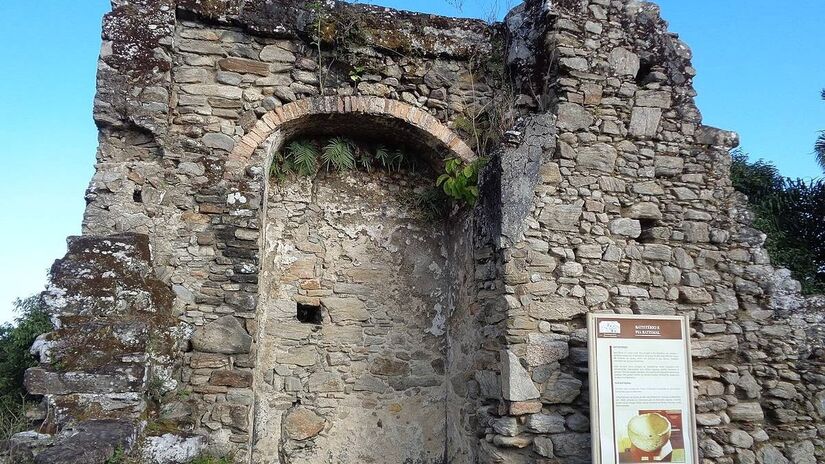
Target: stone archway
<point>365,380</point>
<point>295,116</point>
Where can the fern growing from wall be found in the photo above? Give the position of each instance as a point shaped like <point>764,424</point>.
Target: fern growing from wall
<point>339,154</point>
<point>305,157</point>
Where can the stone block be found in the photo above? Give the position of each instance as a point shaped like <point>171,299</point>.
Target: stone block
<point>561,217</point>
<point>623,62</point>
<point>488,383</point>
<point>345,309</point>
<point>301,423</point>
<point>573,444</point>
<point>516,384</point>
<point>643,210</point>
<point>325,382</point>
<point>668,166</point>
<point>542,349</point>
<point>625,227</point>
<point>644,122</point>
<point>769,454</point>
<point>562,388</point>
<point>545,423</point>
<point>713,346</point>
<point>301,356</point>
<point>543,446</point>
<point>653,98</point>
<point>599,157</point>
<point>225,335</point>
<point>573,117</point>
<point>276,53</point>
<point>235,379</point>
<point>90,442</point>
<point>557,308</point>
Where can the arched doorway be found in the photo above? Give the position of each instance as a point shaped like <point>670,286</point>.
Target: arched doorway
<point>355,280</point>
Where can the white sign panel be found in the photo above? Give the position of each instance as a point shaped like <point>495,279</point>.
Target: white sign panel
<point>641,386</point>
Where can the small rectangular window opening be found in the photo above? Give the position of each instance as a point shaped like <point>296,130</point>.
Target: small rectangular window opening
<point>648,230</point>
<point>310,314</point>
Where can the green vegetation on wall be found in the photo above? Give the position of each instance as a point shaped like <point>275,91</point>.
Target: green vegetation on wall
<point>460,179</point>
<point>791,213</point>
<point>15,341</point>
<point>309,156</point>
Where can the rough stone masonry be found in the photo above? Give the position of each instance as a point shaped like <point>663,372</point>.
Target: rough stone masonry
<point>210,309</point>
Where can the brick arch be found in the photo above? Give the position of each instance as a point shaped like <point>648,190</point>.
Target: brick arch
<point>292,114</point>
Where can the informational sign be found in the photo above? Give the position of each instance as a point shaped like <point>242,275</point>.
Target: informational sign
<point>641,389</point>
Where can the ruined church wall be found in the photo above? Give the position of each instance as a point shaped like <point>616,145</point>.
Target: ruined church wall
<point>174,179</point>
<point>609,196</point>
<point>634,213</point>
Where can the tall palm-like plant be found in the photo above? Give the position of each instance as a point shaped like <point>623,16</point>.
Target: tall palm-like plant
<point>819,148</point>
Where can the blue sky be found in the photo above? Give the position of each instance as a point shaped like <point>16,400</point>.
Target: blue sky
<point>761,68</point>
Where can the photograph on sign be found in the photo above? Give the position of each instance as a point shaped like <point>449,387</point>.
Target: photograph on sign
<point>642,407</point>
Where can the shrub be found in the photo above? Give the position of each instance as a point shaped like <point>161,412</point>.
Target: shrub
<point>15,341</point>
<point>790,212</point>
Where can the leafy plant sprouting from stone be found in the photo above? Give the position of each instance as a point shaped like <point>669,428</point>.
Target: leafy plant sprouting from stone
<point>305,157</point>
<point>460,179</point>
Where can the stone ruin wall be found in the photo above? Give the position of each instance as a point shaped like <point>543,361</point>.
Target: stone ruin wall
<point>608,194</point>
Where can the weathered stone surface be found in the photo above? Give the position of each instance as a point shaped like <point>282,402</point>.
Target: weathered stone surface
<point>741,439</point>
<point>172,449</point>
<point>653,98</point>
<point>237,379</point>
<point>516,384</point>
<point>626,227</point>
<point>695,295</point>
<point>561,217</point>
<point>543,446</point>
<point>276,53</point>
<point>507,426</point>
<point>624,62</point>
<point>561,389</point>
<point>713,346</point>
<point>669,165</point>
<point>90,441</point>
<point>573,117</point>
<point>769,454</point>
<point>543,350</point>
<point>225,335</point>
<point>489,384</point>
<point>556,308</point>
<point>545,423</point>
<point>645,121</point>
<point>521,441</point>
<point>241,65</point>
<point>644,210</point>
<point>599,157</point>
<point>24,446</point>
<point>345,309</point>
<point>572,444</point>
<point>802,453</point>
<point>301,423</point>
<point>711,449</point>
<point>386,366</point>
<point>746,412</point>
